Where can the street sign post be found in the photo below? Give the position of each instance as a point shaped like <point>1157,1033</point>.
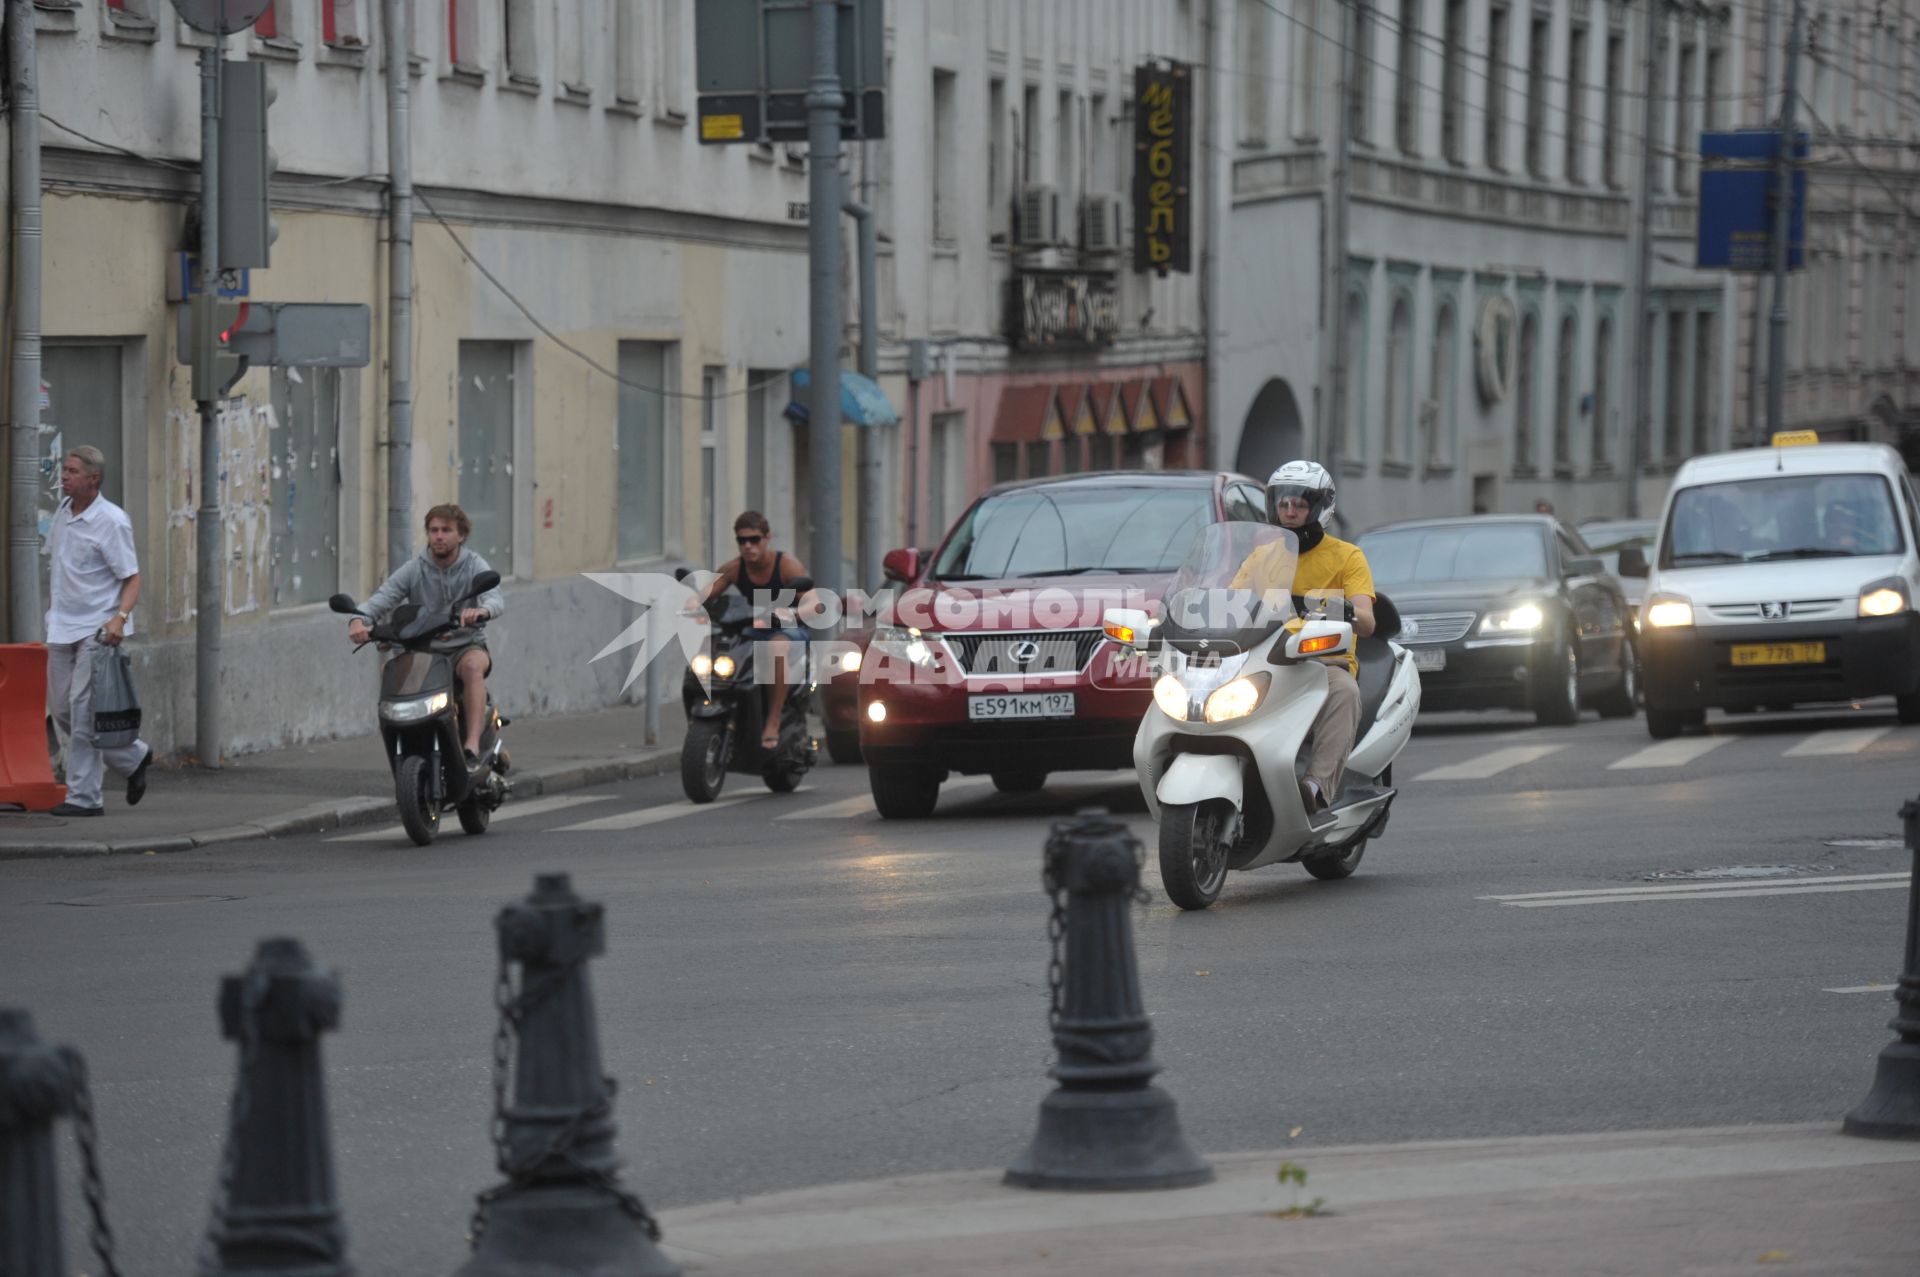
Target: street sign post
<point>754,66</point>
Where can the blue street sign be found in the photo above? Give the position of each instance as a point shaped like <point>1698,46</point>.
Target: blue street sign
<point>1737,189</point>
<point>186,279</point>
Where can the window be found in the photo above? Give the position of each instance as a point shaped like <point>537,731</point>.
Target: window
<point>1066,161</point>
<point>1710,111</point>
<point>640,440</point>
<point>463,35</point>
<point>343,24</point>
<point>1099,149</point>
<point>1354,387</point>
<point>946,469</point>
<point>279,25</point>
<point>1684,143</point>
<point>1100,451</point>
<point>306,484</point>
<point>998,197</point>
<point>1563,406</point>
<point>1306,67</point>
<point>1006,463</point>
<point>1643,425</point>
<point>1039,459</point>
<point>570,49</point>
<point>520,42</point>
<point>1436,415</point>
<point>1610,111</point>
<point>629,86</point>
<point>1453,105</point>
<point>1406,96</point>
<point>1361,91</point>
<point>1657,104</point>
<point>675,51</point>
<point>1703,362</point>
<point>1251,54</point>
<point>487,399</point>
<point>1576,103</point>
<point>1537,36</point>
<point>1676,385</point>
<point>1397,424</point>
<point>946,159</point>
<point>1602,378</point>
<point>1029,136</point>
<point>1523,395</point>
<point>1498,41</point>
<point>713,389</point>
<point>130,13</point>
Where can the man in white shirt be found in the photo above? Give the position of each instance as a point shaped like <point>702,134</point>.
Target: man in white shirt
<point>95,579</point>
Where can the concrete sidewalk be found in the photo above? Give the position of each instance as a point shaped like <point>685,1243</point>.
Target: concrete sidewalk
<point>1805,1198</point>
<point>308,788</point>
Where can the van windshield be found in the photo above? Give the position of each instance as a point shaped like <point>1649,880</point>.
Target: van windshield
<point>1803,516</point>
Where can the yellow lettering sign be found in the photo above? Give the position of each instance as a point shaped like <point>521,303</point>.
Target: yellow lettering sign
<point>721,128</point>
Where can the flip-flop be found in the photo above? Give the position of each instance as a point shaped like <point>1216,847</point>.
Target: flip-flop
<point>770,741</point>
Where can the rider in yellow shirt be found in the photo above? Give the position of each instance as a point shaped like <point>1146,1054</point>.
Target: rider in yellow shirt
<point>1329,573</point>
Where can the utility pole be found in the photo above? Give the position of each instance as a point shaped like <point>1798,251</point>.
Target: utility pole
<point>1783,167</point>
<point>1333,396</point>
<point>400,287</point>
<point>1640,429</point>
<point>24,606</point>
<point>824,101</point>
<point>1753,318</point>
<point>209,599</point>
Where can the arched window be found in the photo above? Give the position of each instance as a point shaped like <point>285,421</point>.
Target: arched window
<point>1602,383</point>
<point>1397,423</point>
<point>1437,412</point>
<point>1563,399</point>
<point>1356,388</point>
<point>1523,394</point>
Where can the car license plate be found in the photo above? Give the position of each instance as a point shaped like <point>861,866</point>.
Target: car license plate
<point>1779,653</point>
<point>1028,705</point>
<point>1429,659</point>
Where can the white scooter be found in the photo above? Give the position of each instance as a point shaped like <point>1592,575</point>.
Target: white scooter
<point>1221,751</point>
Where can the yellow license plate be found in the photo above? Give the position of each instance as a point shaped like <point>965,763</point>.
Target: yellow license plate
<point>1779,653</point>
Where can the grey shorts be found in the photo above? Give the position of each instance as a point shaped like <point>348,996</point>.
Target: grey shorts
<point>453,652</point>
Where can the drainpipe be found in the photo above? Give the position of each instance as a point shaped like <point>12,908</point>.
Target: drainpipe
<point>400,282</point>
<point>868,550</point>
<point>23,527</point>
<point>1219,178</point>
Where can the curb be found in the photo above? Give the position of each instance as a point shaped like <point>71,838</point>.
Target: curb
<point>346,812</point>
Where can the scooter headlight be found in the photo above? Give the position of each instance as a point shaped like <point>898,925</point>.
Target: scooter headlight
<point>702,665</point>
<point>1171,697</point>
<point>723,666</point>
<point>1237,699</point>
<point>414,710</point>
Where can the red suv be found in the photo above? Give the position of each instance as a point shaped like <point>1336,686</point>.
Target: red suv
<point>994,661</point>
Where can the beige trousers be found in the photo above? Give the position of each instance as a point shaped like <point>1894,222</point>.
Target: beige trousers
<point>1334,730</point>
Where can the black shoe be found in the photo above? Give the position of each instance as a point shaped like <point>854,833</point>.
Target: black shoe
<point>69,809</point>
<point>473,759</point>
<point>137,782</point>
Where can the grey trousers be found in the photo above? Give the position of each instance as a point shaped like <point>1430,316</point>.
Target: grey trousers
<point>70,701</point>
<point>1334,730</point>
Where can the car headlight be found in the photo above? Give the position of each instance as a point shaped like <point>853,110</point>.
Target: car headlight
<point>1668,611</point>
<point>723,666</point>
<point>906,643</point>
<point>415,710</point>
<point>702,665</point>
<point>1171,697</point>
<point>1884,598</point>
<point>1237,699</point>
<point>1524,619</point>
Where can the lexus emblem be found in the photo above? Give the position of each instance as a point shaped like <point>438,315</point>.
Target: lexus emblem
<point>1410,629</point>
<point>1775,611</point>
<point>1024,652</point>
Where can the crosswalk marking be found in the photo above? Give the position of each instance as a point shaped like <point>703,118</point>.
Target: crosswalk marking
<point>1670,753</point>
<point>1704,891</point>
<point>654,815</point>
<point>512,811</point>
<point>1491,763</point>
<point>1863,988</point>
<point>1850,740</point>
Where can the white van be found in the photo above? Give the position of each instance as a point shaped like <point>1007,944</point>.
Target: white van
<point>1782,576</point>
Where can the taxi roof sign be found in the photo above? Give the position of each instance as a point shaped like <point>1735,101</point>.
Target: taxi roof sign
<point>1793,438</point>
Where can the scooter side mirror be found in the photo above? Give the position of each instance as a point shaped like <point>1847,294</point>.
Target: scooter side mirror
<point>343,603</point>
<point>681,574</point>
<point>484,582</point>
<point>1320,638</point>
<point>1130,626</point>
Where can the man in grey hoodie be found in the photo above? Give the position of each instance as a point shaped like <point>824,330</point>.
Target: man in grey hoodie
<point>442,576</point>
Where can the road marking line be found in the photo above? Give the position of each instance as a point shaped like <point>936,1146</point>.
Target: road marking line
<point>654,815</point>
<point>512,811</point>
<point>1849,740</point>
<point>1492,763</point>
<point>1670,753</point>
<point>1691,888</point>
<point>1864,988</point>
<point>858,805</point>
<point>1805,889</point>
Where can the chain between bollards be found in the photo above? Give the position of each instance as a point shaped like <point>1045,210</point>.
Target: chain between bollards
<point>1892,1108</point>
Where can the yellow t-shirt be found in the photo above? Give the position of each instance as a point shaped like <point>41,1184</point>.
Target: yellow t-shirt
<point>1335,570</point>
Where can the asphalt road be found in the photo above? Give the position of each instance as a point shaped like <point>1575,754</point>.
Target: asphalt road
<point>797,992</point>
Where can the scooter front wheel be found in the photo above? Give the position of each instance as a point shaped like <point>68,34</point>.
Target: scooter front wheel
<point>1193,851</point>
<point>703,759</point>
<point>412,793</point>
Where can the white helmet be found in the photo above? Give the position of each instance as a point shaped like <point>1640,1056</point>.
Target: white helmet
<point>1308,479</point>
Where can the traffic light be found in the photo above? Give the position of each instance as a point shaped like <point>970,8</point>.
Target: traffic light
<point>216,366</point>
<point>247,164</point>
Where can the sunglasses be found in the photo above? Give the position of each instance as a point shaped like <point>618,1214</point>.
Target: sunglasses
<point>753,540</point>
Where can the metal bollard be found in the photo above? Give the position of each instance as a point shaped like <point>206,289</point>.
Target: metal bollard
<point>1106,1126</point>
<point>1892,1108</point>
<point>274,1207</point>
<point>39,1083</point>
<point>562,1210</point>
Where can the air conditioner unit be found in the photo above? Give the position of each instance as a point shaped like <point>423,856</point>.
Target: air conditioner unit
<point>1100,224</point>
<point>1039,225</point>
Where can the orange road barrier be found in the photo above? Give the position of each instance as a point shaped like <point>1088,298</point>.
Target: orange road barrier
<point>26,773</point>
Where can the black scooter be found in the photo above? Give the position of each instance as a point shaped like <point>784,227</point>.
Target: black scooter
<point>726,706</point>
<point>422,722</point>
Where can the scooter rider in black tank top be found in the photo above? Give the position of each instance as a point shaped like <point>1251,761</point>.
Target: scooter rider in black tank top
<point>761,567</point>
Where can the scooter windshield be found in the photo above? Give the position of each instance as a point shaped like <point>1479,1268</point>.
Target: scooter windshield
<point>1234,589</point>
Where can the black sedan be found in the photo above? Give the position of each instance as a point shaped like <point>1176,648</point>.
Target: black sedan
<point>1508,612</point>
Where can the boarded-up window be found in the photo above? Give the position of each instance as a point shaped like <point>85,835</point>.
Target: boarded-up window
<point>486,448</point>
<point>641,437</point>
<point>83,406</point>
<point>305,502</point>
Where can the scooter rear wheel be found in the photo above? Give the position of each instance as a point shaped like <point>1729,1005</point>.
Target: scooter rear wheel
<point>475,815</point>
<point>419,813</point>
<point>1193,853</point>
